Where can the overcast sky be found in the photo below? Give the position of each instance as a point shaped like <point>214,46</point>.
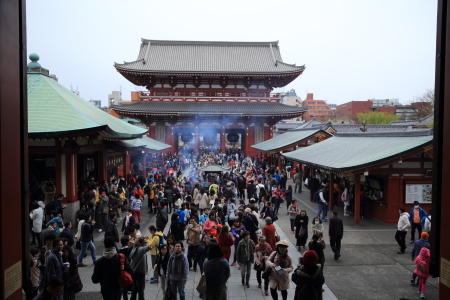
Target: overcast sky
<point>352,49</point>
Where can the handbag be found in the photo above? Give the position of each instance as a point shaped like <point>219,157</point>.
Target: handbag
<point>277,237</point>
<point>201,286</point>
<point>168,293</point>
<point>301,232</point>
<point>266,274</point>
<point>78,245</point>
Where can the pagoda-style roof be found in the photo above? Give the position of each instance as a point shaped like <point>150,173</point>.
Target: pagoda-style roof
<point>314,123</point>
<point>201,57</point>
<point>209,108</point>
<point>54,111</point>
<point>356,151</point>
<point>145,143</point>
<point>289,138</point>
<point>213,169</point>
<point>355,128</point>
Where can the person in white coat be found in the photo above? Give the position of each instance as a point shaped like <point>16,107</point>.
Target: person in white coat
<point>402,229</point>
<point>36,215</point>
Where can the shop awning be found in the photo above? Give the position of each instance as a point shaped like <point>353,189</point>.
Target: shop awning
<point>288,138</point>
<point>355,151</point>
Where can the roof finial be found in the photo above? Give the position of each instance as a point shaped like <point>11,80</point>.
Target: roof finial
<point>34,57</point>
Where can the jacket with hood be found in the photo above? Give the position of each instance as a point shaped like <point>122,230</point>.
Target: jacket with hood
<point>423,263</point>
<point>306,274</point>
<point>103,205</point>
<point>193,235</point>
<point>107,271</point>
<point>403,222</point>
<point>154,242</point>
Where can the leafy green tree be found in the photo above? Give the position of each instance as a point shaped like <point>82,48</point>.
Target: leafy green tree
<point>376,117</point>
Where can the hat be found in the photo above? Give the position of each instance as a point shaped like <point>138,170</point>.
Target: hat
<point>424,235</point>
<point>310,258</point>
<point>262,238</point>
<point>282,243</point>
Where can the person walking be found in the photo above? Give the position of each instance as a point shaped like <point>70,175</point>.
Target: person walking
<point>231,212</point>
<point>193,240</point>
<point>293,211</point>
<point>162,217</point>
<point>128,222</point>
<point>107,271</point>
<point>155,242</point>
<point>418,245</point>
<point>225,241</point>
<point>317,244</point>
<point>37,216</point>
<point>298,181</point>
<point>279,277</point>
<point>269,232</point>
<point>422,269</point>
<point>86,240</point>
<point>217,272</point>
<point>237,230</point>
<point>301,229</point>
<point>317,227</point>
<point>160,268</point>
<point>73,284</point>
<point>245,257</point>
<point>54,265</point>
<point>139,265</point>
<point>102,209</point>
<point>136,205</point>
<point>288,197</point>
<point>322,205</point>
<point>178,271</point>
<point>417,217</point>
<point>202,251</point>
<point>309,273</point>
<point>402,229</point>
<point>336,233</point>
<point>262,252</point>
<point>111,228</point>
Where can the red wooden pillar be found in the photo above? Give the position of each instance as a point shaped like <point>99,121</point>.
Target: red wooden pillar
<point>222,140</point>
<point>196,140</point>
<point>101,159</point>
<point>58,166</point>
<point>70,175</point>
<point>279,160</point>
<point>357,209</point>
<point>331,192</point>
<point>126,166</point>
<point>144,165</point>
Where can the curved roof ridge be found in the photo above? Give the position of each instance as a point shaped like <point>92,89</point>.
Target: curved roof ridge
<point>219,43</point>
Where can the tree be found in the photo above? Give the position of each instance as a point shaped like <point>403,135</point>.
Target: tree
<point>376,117</point>
<point>424,104</point>
<point>342,120</point>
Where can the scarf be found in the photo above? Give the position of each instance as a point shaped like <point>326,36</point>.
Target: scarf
<point>282,258</point>
<point>178,260</point>
<point>108,253</point>
<point>263,248</point>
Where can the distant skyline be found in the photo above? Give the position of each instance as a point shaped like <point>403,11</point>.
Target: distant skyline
<point>352,50</point>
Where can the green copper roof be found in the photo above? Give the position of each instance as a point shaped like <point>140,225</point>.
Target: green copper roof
<point>54,110</point>
<point>346,153</point>
<point>144,142</point>
<point>288,138</point>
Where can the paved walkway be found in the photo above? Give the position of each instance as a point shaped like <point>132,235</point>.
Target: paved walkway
<point>369,268</point>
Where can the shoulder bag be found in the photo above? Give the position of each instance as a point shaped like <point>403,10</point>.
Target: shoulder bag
<point>201,286</point>
<point>266,274</point>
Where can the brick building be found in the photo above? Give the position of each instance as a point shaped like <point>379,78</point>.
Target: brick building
<point>316,108</point>
<point>351,108</point>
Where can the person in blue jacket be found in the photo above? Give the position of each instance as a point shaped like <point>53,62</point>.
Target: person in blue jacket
<point>57,219</point>
<point>417,217</point>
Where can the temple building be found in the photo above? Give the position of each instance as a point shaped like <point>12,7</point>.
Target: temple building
<point>215,92</point>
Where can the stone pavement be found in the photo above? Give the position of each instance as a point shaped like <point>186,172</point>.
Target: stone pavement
<point>369,268</point>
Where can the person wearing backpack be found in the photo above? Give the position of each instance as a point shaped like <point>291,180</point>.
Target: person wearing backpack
<point>107,271</point>
<point>139,266</point>
<point>322,205</point>
<point>418,245</point>
<point>422,269</point>
<point>154,241</point>
<point>308,278</point>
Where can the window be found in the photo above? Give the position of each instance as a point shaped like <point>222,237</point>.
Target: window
<point>311,102</point>
<point>165,93</point>
<point>312,112</point>
<point>320,112</point>
<point>210,94</point>
<point>254,94</point>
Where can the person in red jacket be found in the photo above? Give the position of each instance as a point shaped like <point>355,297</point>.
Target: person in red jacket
<point>225,241</point>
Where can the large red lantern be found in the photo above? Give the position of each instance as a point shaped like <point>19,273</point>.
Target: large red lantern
<point>210,139</point>
<point>187,137</point>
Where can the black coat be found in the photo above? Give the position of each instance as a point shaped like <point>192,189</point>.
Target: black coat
<point>111,230</point>
<point>250,222</point>
<point>318,248</point>
<point>301,241</point>
<point>305,274</point>
<point>336,228</point>
<point>106,272</point>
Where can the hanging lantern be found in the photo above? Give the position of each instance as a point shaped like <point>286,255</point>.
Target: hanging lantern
<point>187,137</point>
<point>210,139</point>
<point>233,138</point>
